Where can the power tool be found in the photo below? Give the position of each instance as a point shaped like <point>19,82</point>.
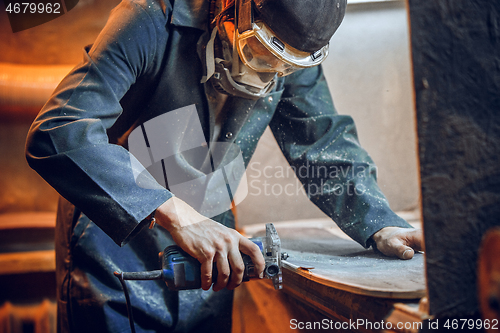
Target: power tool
<point>180,271</point>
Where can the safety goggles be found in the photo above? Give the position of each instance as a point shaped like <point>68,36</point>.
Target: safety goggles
<point>261,50</point>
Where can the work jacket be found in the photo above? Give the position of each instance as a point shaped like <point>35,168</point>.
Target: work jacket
<point>147,62</point>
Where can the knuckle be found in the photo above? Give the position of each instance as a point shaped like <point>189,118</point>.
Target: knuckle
<point>219,247</point>
<point>238,269</point>
<point>208,252</point>
<point>254,249</point>
<point>224,274</point>
<point>227,238</point>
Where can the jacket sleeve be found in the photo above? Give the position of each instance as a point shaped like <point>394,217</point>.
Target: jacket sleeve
<point>323,149</point>
<point>68,143</point>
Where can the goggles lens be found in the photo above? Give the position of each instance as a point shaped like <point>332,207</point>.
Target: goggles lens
<point>262,51</point>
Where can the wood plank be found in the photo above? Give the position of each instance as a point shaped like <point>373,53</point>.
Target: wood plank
<point>27,262</point>
<point>23,232</point>
<point>258,307</point>
<point>9,221</point>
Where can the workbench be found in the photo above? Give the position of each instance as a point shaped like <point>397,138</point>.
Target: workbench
<point>332,282</point>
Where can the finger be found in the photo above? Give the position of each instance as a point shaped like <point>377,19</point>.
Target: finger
<point>398,246</point>
<point>206,274</point>
<point>223,272</point>
<point>250,248</point>
<point>237,268</point>
<point>406,253</point>
<point>395,246</point>
<point>415,239</point>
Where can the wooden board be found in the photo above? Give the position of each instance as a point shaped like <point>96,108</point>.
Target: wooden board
<point>30,220</point>
<point>23,232</point>
<point>27,243</point>
<point>27,262</point>
<point>322,254</point>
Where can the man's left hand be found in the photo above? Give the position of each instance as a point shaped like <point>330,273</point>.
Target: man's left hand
<point>399,242</point>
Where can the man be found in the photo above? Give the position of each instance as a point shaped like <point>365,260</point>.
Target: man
<point>257,62</point>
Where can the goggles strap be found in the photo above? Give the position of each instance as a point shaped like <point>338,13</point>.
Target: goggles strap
<point>244,15</point>
<point>235,58</point>
<point>210,57</point>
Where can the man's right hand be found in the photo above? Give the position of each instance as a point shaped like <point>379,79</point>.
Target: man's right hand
<point>399,242</point>
<point>209,242</point>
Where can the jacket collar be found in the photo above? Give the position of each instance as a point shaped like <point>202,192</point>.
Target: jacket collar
<point>191,13</point>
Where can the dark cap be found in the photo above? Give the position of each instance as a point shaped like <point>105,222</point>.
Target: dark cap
<point>306,25</point>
